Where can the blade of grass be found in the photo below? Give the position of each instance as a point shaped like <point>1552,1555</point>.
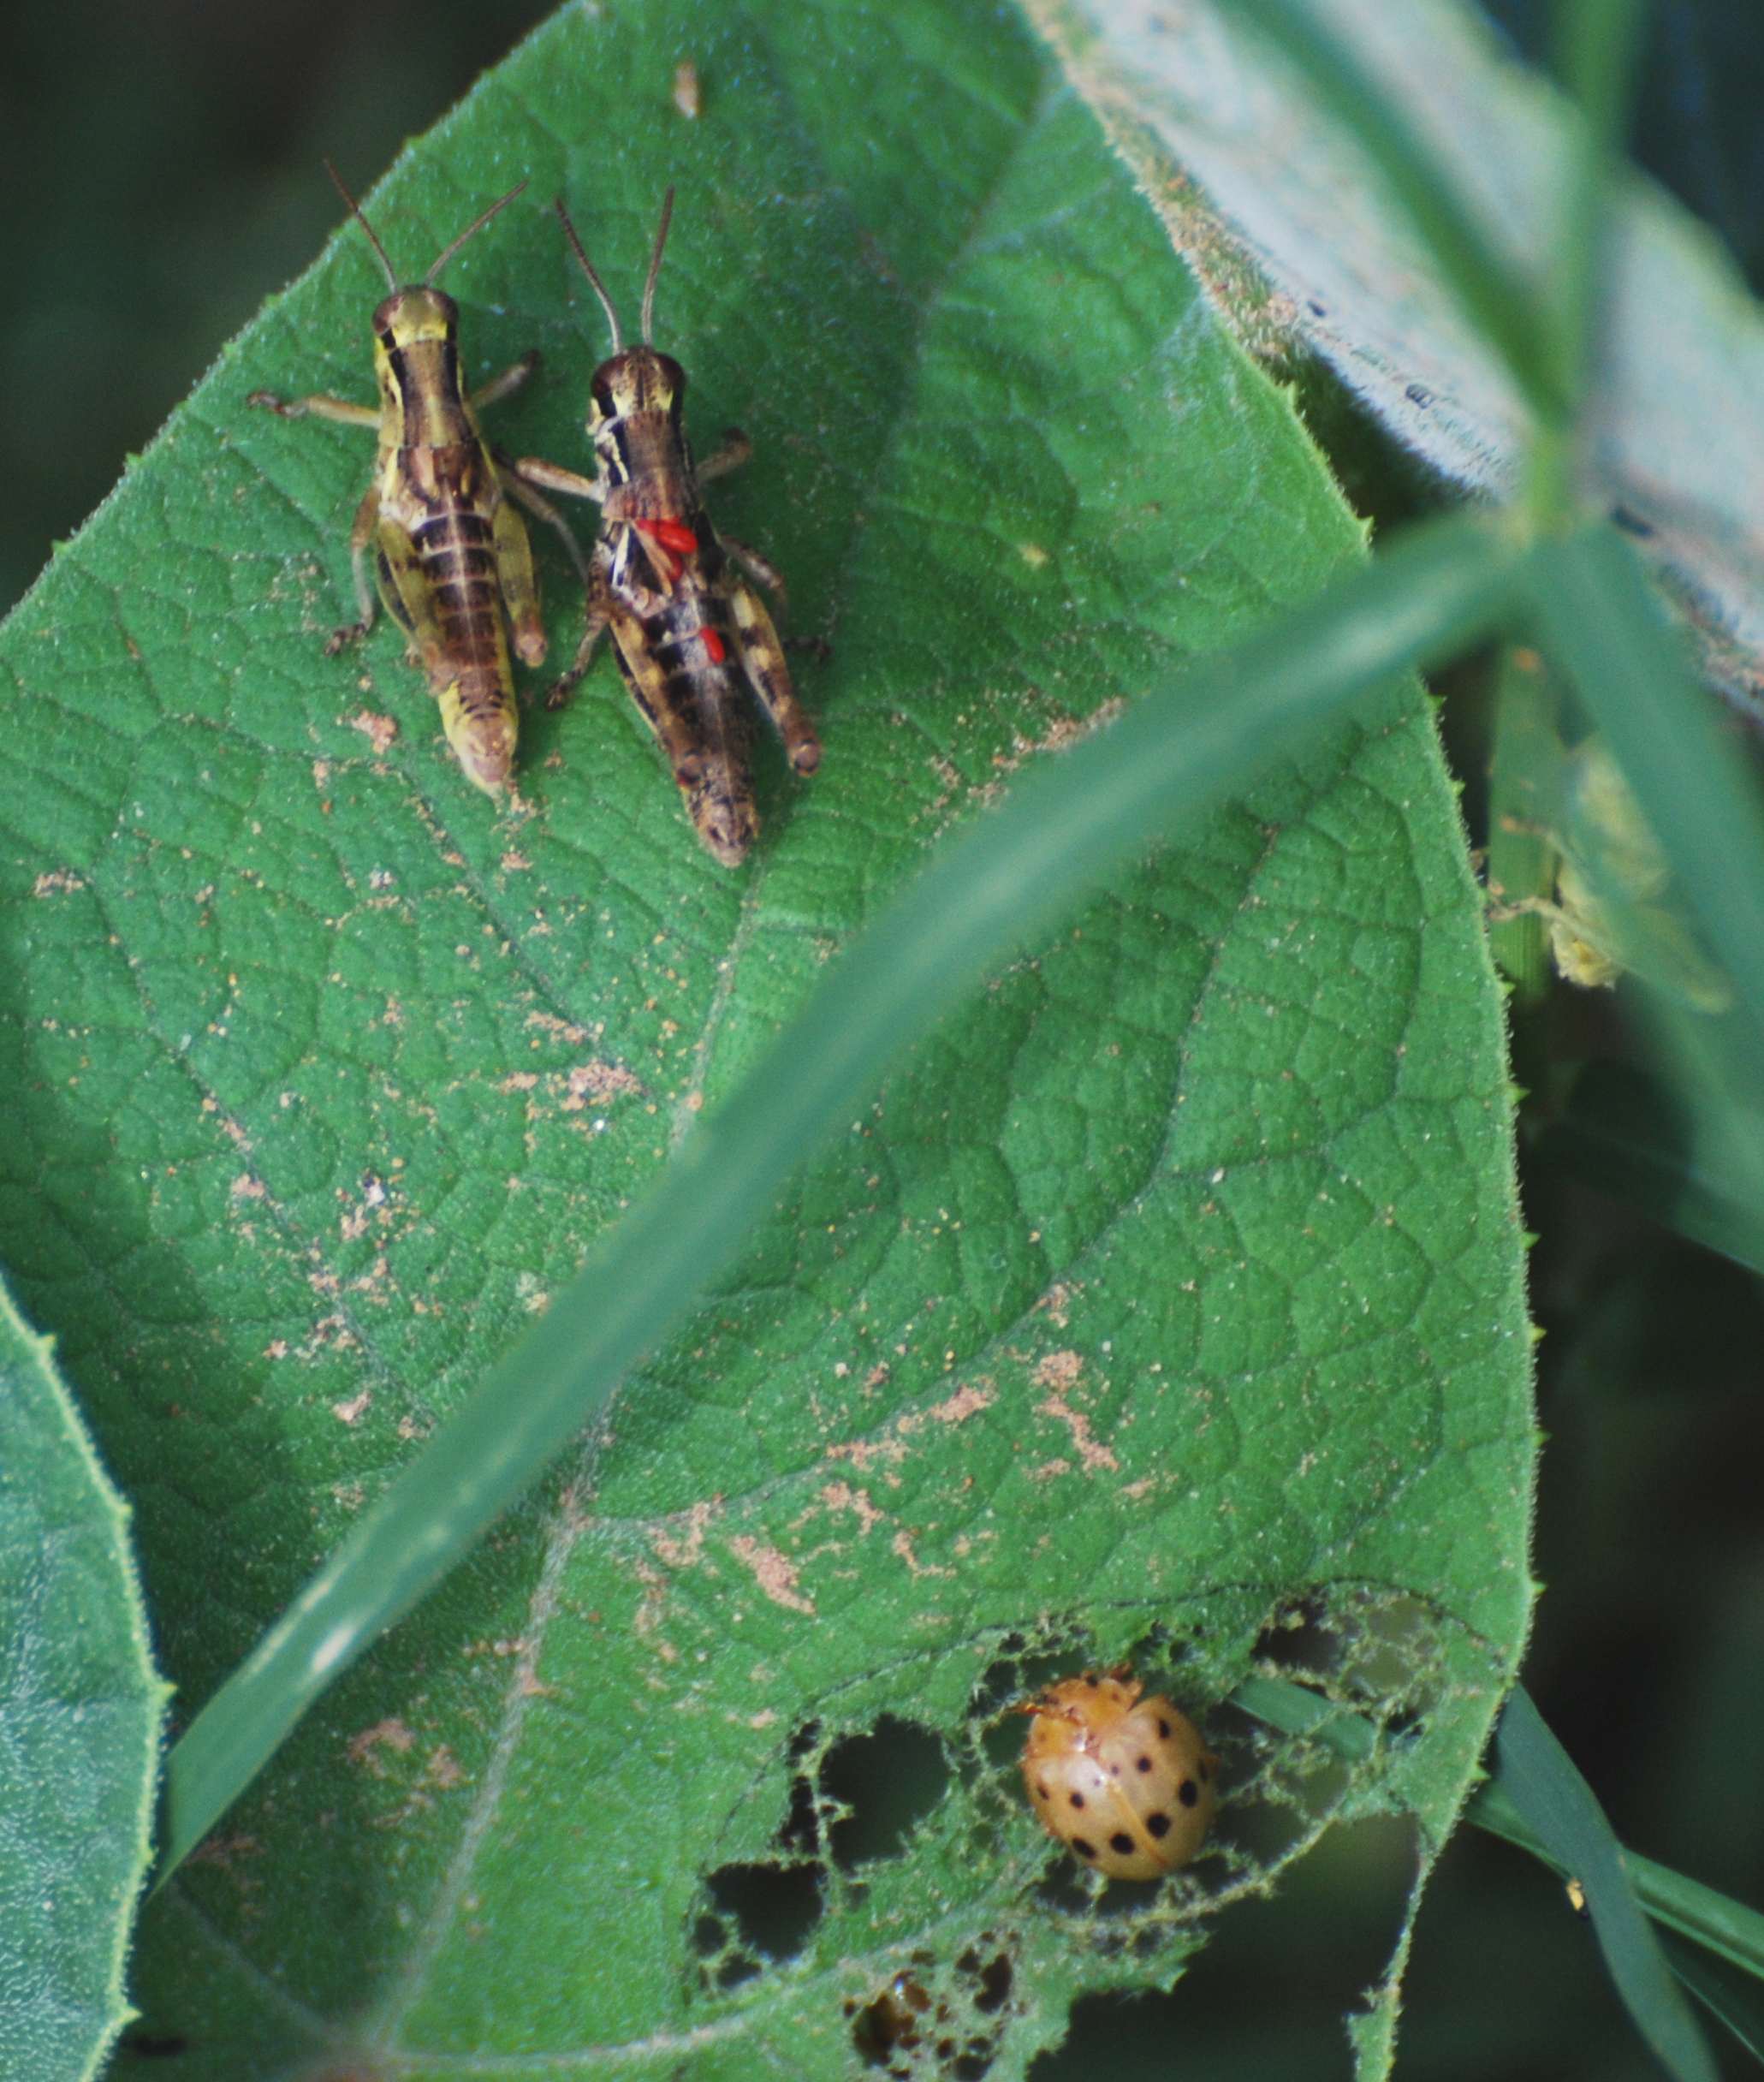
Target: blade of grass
<point>1296,1712</point>
<point>1069,826</point>
<point>1626,1134</point>
<point>1539,1780</point>
<point>1496,296</point>
<point>1719,2000</point>
<point>1599,620</point>
<point>1597,42</point>
<point>1716,1921</point>
<point>1525,785</point>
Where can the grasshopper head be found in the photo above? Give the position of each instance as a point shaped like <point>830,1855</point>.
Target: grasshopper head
<point>636,382</point>
<point>416,353</point>
<point>408,316</point>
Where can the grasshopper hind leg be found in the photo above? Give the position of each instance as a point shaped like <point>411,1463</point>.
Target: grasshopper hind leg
<point>763,660</point>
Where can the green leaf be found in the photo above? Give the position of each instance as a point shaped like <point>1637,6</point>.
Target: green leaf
<point>1513,313</point>
<point>81,1711</point>
<point>1170,1291</point>
<point>1065,831</point>
<point>1305,250</point>
<point>1553,1800</point>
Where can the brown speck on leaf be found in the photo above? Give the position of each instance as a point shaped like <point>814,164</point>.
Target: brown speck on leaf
<point>354,1409</point>
<point>841,1496</point>
<point>379,730</point>
<point>391,1734</point>
<point>441,1769</point>
<point>686,93</point>
<point>902,1545</point>
<point>776,1576</point>
<point>684,1553</point>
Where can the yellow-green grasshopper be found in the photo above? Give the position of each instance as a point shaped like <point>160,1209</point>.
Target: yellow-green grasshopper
<point>692,640</point>
<point>451,554</point>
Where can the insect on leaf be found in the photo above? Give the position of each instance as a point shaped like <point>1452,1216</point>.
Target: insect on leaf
<point>1165,1304</point>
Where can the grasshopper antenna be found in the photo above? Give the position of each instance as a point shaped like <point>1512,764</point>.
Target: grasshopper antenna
<point>471,230</point>
<point>649,288</point>
<point>587,266</point>
<point>355,211</point>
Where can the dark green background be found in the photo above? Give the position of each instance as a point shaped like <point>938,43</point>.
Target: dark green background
<point>159,173</point>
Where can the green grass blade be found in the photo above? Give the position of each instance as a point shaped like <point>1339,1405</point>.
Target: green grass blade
<point>1604,627</point>
<point>1296,1712</point>
<point>1597,45</point>
<point>1496,296</point>
<point>1716,1921</point>
<point>1719,2000</point>
<point>1524,785</point>
<point>1539,1778</point>
<point>1626,1134</point>
<point>1069,826</point>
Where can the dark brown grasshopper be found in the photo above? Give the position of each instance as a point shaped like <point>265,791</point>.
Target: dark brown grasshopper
<point>691,640</point>
<point>451,554</point>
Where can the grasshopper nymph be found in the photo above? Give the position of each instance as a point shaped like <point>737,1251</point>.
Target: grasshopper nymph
<point>455,567</point>
<point>691,639</point>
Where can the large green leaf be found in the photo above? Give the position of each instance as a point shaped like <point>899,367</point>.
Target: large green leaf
<point>79,1716</point>
<point>1170,1294</point>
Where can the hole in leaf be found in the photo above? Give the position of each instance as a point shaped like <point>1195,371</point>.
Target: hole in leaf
<point>932,2025</point>
<point>889,1781</point>
<point>773,1907</point>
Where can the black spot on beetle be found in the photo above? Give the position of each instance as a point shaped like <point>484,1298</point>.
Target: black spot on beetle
<point>1084,1849</point>
<point>1188,1793</point>
<point>1163,1727</point>
<point>1078,1799</point>
<point>1158,1823</point>
<point>1043,1792</point>
<point>1142,1763</point>
<point>1121,1844</point>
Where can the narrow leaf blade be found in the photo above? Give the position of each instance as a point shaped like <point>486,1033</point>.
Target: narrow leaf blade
<point>1555,1800</point>
<point>1600,620</point>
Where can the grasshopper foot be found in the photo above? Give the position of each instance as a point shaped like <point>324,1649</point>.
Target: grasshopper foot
<point>340,639</point>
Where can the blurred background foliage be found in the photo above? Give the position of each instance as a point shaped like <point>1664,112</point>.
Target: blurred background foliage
<point>159,170</point>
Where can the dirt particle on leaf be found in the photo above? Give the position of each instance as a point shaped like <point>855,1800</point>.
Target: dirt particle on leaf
<point>902,1546</point>
<point>967,1401</point>
<point>441,1769</point>
<point>60,881</point>
<point>841,1496</point>
<point>391,1734</point>
<point>596,1081</point>
<point>352,1411</point>
<point>684,1553</point>
<point>776,1576</point>
<point>379,730</point>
